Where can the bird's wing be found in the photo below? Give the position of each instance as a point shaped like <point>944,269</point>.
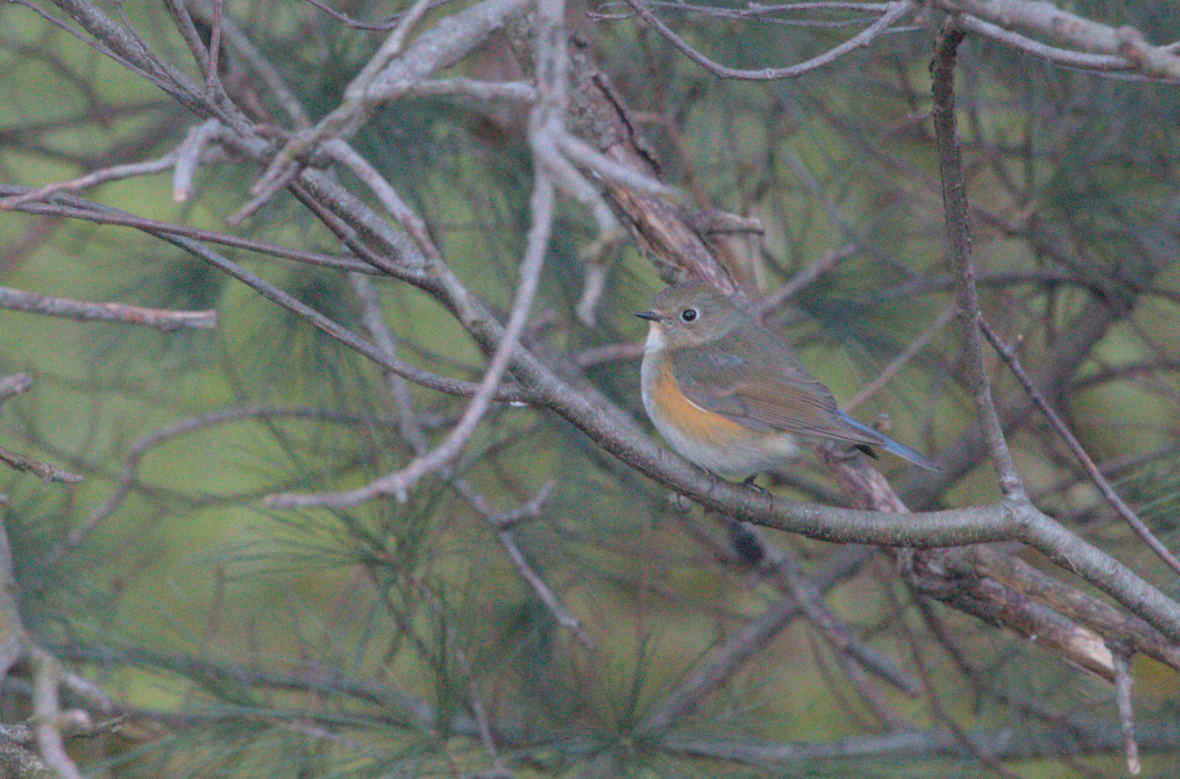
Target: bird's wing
<point>770,393</point>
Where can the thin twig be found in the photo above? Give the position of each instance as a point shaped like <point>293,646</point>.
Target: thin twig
<point>102,176</point>
<point>1046,19</point>
<point>724,660</point>
<point>123,313</point>
<point>942,71</point>
<point>804,278</point>
<point>398,483</point>
<point>1104,486</point>
<point>501,522</point>
<point>903,358</point>
<point>582,153</point>
<point>47,471</point>
<point>892,13</point>
<point>178,236</point>
<point>1108,63</point>
<point>510,91</point>
<point>188,157</point>
<point>385,77</point>
<point>788,573</point>
<point>1126,708</point>
<point>48,718</point>
<point>129,472</point>
<point>245,48</point>
<point>78,208</point>
<point>342,152</point>
<point>13,385</point>
<point>564,618</point>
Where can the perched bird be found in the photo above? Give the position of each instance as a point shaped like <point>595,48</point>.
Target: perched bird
<point>730,395</point>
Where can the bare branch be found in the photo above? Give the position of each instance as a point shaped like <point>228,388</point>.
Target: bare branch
<point>130,50</point>
<point>1104,486</point>
<point>175,235</point>
<point>1126,709</point>
<point>114,173</point>
<point>542,589</point>
<point>86,311</point>
<point>244,47</point>
<point>48,718</point>
<point>1112,63</point>
<point>511,91</point>
<point>502,523</point>
<point>398,483</point>
<point>954,197</point>
<point>387,76</point>
<point>583,154</point>
<point>891,14</point>
<point>46,471</point>
<point>78,208</point>
<point>188,157</point>
<point>11,386</point>
<point>1048,20</point>
<point>903,358</point>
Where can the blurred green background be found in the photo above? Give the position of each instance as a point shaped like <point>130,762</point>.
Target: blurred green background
<point>377,641</point>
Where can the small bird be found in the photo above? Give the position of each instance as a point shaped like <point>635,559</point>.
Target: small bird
<point>730,395</point>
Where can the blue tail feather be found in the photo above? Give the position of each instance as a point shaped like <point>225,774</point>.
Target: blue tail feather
<point>889,445</point>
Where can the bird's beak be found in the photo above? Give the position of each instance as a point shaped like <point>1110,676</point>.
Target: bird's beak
<point>648,315</point>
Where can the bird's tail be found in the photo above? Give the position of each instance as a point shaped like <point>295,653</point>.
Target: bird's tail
<point>891,446</point>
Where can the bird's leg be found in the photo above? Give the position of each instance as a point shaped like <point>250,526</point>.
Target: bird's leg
<point>749,482</point>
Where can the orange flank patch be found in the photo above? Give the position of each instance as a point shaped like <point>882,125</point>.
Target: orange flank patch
<point>693,422</point>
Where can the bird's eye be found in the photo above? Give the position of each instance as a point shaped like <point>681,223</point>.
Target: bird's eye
<point>688,314</point>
